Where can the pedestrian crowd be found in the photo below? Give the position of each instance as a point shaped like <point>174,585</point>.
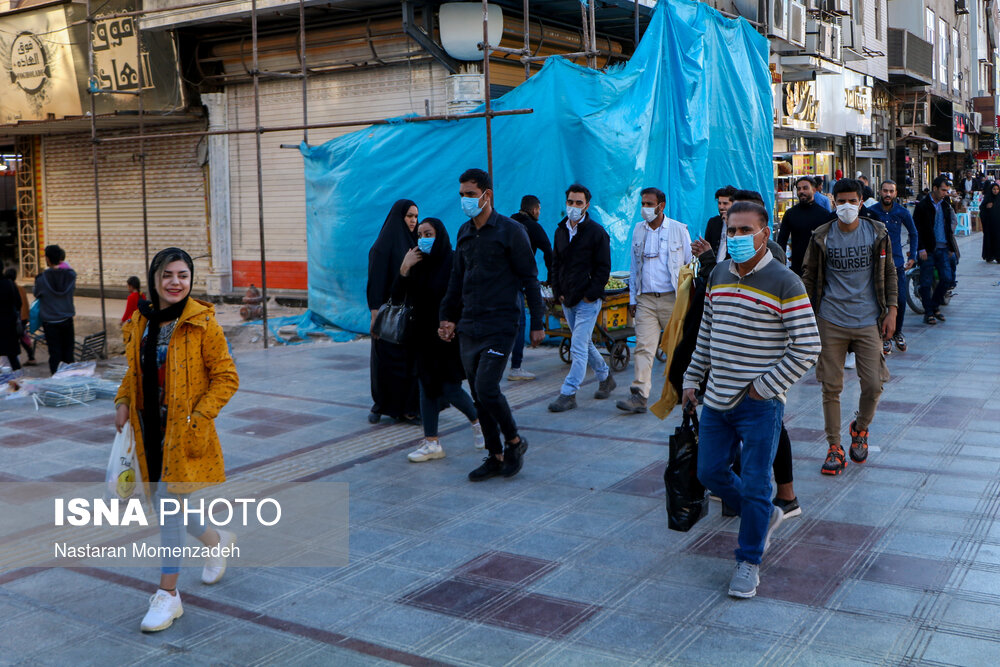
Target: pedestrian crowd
<point>741,318</point>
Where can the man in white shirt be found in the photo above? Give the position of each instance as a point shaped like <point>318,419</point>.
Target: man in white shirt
<point>660,247</point>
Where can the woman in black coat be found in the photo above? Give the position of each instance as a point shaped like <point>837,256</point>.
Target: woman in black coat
<point>423,280</point>
<point>989,215</point>
<point>10,318</point>
<point>393,379</point>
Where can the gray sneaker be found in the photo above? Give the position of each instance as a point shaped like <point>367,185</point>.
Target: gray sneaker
<point>607,386</point>
<point>745,580</point>
<point>635,403</point>
<point>777,516</point>
<point>563,403</point>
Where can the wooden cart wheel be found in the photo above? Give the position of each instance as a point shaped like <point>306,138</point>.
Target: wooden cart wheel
<point>620,354</point>
<point>564,351</point>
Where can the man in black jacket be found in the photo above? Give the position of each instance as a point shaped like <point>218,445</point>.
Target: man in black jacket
<point>800,220</point>
<point>935,247</point>
<point>581,264</point>
<point>492,266</point>
<point>530,213</point>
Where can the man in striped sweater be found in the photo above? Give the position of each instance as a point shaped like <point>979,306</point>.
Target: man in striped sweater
<point>758,336</point>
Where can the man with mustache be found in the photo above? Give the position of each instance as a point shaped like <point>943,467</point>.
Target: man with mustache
<point>801,220</point>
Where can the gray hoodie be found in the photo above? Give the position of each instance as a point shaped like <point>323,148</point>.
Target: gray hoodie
<point>54,290</point>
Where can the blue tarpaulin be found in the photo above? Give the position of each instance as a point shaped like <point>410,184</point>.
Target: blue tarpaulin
<point>690,112</point>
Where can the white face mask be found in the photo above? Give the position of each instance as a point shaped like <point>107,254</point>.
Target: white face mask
<point>648,213</point>
<point>574,214</point>
<point>847,213</point>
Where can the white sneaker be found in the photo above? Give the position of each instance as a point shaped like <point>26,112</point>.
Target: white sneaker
<point>215,567</point>
<point>850,361</point>
<point>477,436</point>
<point>428,450</point>
<point>520,374</point>
<point>163,609</point>
<point>777,516</point>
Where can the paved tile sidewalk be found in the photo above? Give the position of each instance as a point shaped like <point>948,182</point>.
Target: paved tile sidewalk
<point>894,562</point>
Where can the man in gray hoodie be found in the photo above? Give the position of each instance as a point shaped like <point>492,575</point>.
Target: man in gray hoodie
<point>54,291</point>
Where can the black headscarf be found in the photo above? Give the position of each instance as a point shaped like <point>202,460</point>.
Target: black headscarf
<point>387,253</point>
<point>156,315</point>
<point>434,270</point>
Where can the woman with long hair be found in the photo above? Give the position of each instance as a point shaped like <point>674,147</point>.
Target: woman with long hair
<point>422,281</point>
<point>180,375</point>
<point>393,380</point>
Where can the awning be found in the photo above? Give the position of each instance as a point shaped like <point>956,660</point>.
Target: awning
<point>941,146</point>
<point>118,121</point>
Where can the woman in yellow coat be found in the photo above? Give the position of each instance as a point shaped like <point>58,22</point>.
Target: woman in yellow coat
<point>180,375</point>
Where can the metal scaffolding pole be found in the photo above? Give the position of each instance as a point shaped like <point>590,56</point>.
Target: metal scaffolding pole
<point>142,144</point>
<point>486,85</point>
<point>260,171</point>
<point>527,43</point>
<point>302,64</point>
<point>93,142</point>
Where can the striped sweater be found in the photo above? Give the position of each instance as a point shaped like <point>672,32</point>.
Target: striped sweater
<point>759,328</point>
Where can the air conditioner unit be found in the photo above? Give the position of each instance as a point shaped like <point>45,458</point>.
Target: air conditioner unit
<point>813,6</point>
<point>796,24</point>
<point>841,7</point>
<point>777,19</point>
<point>817,37</point>
<point>910,114</point>
<point>850,33</point>
<point>961,6</point>
<point>835,52</point>
<point>977,122</point>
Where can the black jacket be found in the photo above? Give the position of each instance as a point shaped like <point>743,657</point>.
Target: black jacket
<point>581,267</point>
<point>492,266</point>
<point>799,222</point>
<point>923,218</point>
<point>537,237</point>
<point>54,290</point>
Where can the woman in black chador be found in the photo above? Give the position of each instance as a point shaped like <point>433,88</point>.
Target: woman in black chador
<point>394,379</point>
<point>989,214</point>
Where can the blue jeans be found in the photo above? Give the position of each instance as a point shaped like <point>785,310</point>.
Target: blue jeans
<point>172,526</point>
<point>757,425</point>
<point>517,354</point>
<point>903,284</point>
<point>941,260</point>
<point>581,319</point>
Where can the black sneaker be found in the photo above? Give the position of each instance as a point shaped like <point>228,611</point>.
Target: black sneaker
<point>859,444</point>
<point>513,457</point>
<point>886,347</point>
<point>900,342</point>
<point>939,316</point>
<point>791,508</point>
<point>727,510</point>
<point>490,468</point>
<point>607,386</point>
<point>835,461</point>
<point>563,403</point>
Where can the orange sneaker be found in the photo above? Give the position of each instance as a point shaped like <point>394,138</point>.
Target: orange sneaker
<point>835,461</point>
<point>859,444</point>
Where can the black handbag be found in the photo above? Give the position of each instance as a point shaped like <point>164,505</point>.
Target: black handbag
<point>687,501</point>
<point>393,322</point>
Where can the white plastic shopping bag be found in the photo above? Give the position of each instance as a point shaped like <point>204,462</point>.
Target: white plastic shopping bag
<point>123,479</point>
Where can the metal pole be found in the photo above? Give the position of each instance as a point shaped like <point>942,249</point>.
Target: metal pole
<point>302,62</point>
<point>635,18</point>
<point>593,33</point>
<point>142,143</point>
<point>93,143</point>
<point>527,43</point>
<point>260,173</point>
<point>322,126</point>
<point>486,85</point>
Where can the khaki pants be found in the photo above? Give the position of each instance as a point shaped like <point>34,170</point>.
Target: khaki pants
<point>651,316</point>
<point>866,343</point>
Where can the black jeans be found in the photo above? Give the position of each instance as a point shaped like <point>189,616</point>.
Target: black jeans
<point>60,340</point>
<point>903,283</point>
<point>485,360</point>
<point>430,406</point>
<point>517,356</point>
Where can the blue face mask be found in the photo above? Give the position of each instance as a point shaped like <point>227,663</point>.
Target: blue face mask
<point>741,248</point>
<point>471,207</point>
<point>425,244</point>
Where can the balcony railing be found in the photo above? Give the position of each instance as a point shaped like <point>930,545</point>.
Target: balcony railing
<point>911,59</point>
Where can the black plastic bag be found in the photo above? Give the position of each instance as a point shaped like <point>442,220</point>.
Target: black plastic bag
<point>687,501</point>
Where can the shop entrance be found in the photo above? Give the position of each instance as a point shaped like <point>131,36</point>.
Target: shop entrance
<point>8,206</point>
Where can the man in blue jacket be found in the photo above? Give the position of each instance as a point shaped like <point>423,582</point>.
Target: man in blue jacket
<point>894,216</point>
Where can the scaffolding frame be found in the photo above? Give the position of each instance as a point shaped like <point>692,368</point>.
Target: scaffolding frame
<point>590,51</point>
